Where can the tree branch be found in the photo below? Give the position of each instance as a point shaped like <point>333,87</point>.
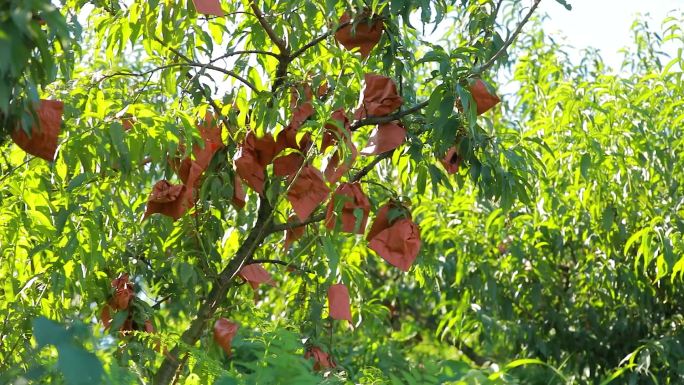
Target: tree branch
<point>207,96</point>
<point>279,262</point>
<point>386,119</point>
<point>192,63</point>
<point>227,72</point>
<point>244,52</point>
<point>471,353</point>
<point>509,41</point>
<point>291,225</point>
<point>370,166</point>
<point>10,172</point>
<point>160,301</point>
<point>284,58</point>
<point>317,40</point>
<point>189,63</point>
<point>220,287</point>
<point>280,43</point>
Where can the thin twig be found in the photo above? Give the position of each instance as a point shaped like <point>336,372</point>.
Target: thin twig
<point>279,262</point>
<point>207,96</point>
<point>317,40</point>
<point>10,172</point>
<point>190,63</point>
<point>188,60</point>
<point>497,9</point>
<point>370,166</point>
<point>162,300</point>
<point>244,52</point>
<point>180,366</point>
<point>291,225</point>
<point>508,42</point>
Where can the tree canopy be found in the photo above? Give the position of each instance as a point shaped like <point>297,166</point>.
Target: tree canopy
<point>338,192</point>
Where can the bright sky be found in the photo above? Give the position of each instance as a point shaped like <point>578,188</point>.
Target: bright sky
<point>604,24</point>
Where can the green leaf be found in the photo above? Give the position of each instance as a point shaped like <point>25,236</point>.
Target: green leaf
<point>331,252</point>
<point>565,4</point>
<point>524,361</point>
<point>48,332</point>
<point>634,238</point>
<point>607,217</point>
<point>585,164</point>
<point>79,366</point>
<point>116,134</point>
<point>421,181</point>
<point>226,380</point>
<point>77,181</point>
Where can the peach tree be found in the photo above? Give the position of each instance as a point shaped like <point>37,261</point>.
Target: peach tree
<point>206,191</point>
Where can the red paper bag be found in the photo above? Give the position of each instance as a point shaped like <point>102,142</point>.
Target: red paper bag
<point>381,221</point>
<point>364,37</point>
<point>302,109</point>
<point>255,274</point>
<point>337,130</point>
<point>321,358</point>
<point>354,200</point>
<point>224,332</point>
<point>239,194</point>
<point>190,170</point>
<point>106,316</point>
<point>252,158</point>
<point>307,192</point>
<point>210,132</point>
<point>336,168</point>
<point>148,327</point>
<point>169,199</point>
<point>287,138</point>
<point>294,233</point>
<point>301,106</point>
<point>338,302</point>
<point>380,97</point>
<point>288,165</point>
<point>398,244</point>
<point>44,133</point>
<point>451,161</point>
<point>209,7</point>
<point>123,292</point>
<point>483,99</point>
<point>385,137</point>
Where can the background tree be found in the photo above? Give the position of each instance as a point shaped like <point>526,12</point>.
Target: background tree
<point>550,235</point>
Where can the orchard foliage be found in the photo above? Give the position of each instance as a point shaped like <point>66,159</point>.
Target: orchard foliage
<point>314,191</point>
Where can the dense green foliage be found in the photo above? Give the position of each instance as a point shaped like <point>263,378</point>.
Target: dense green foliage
<point>554,256</point>
<point>32,56</point>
